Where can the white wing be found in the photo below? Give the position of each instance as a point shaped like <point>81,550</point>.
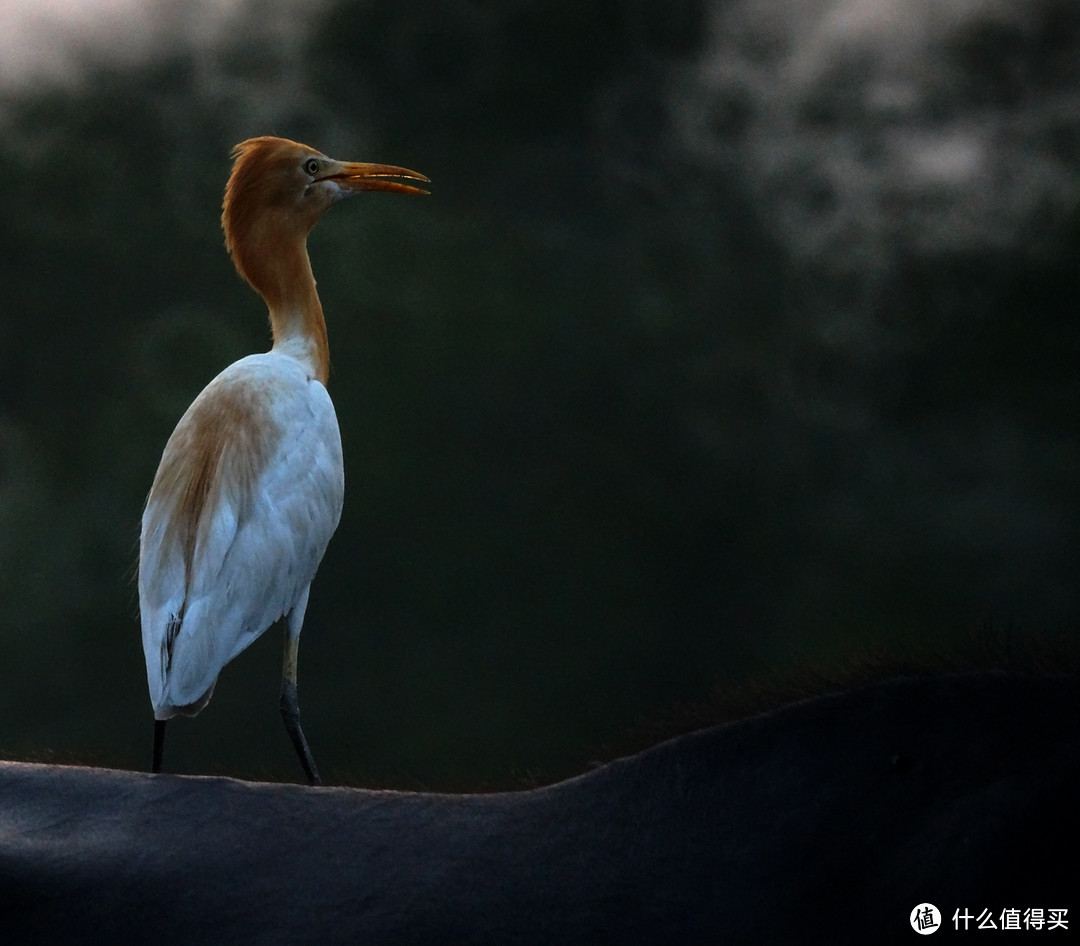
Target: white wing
<point>247,495</point>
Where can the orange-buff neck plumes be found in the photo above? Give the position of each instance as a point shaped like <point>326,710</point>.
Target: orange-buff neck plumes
<point>250,486</point>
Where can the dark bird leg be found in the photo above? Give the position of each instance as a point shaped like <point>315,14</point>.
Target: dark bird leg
<point>290,710</point>
<point>159,744</point>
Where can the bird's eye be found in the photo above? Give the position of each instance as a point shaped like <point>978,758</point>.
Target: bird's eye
<point>311,166</point>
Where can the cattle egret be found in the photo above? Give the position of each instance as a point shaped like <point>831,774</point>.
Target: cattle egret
<point>250,485</point>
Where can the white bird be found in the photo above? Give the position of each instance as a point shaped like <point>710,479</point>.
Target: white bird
<point>250,485</point>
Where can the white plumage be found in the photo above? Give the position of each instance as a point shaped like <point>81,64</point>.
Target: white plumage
<point>260,539</point>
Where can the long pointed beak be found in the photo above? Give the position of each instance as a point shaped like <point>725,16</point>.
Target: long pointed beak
<point>357,176</point>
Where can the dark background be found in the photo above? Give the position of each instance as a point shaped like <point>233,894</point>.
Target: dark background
<point>734,335</point>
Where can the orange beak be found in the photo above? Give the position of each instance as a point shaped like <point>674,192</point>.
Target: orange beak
<point>357,176</point>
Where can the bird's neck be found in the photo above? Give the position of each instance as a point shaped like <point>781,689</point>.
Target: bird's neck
<point>282,275</point>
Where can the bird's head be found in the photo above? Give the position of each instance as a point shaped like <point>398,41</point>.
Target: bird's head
<point>278,189</point>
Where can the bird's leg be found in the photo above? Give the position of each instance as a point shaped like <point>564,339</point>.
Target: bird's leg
<point>290,710</point>
<point>159,744</point>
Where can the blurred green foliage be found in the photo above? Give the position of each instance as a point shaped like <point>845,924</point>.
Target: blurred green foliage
<point>596,462</point>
